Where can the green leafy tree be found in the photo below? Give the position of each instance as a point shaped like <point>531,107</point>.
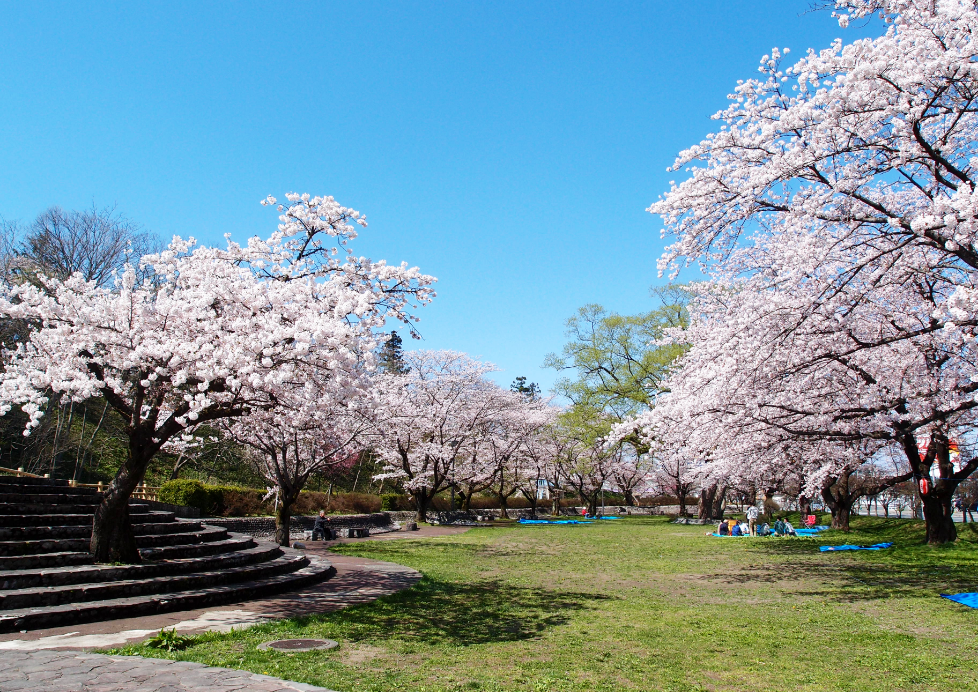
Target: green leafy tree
<point>530,391</point>
<point>391,356</point>
<point>619,365</point>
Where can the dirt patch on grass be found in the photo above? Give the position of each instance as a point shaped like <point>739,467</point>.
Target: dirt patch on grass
<point>356,654</point>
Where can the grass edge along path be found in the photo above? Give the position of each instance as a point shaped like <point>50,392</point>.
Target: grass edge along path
<point>640,604</point>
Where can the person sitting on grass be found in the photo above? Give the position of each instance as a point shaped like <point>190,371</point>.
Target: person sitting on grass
<point>779,529</point>
<point>723,529</point>
<point>789,530</point>
<point>735,531</point>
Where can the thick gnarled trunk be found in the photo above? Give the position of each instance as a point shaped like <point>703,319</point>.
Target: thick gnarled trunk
<point>937,515</point>
<point>682,492</point>
<point>839,500</point>
<point>936,502</point>
<point>283,523</point>
<point>711,502</point>
<point>112,537</point>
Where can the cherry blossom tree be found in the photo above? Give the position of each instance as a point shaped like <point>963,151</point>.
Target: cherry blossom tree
<point>875,136</point>
<point>217,334</point>
<point>315,427</point>
<point>834,211</point>
<point>759,393</point>
<point>506,443</point>
<point>430,422</point>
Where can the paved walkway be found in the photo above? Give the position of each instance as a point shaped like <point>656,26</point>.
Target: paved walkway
<point>37,661</point>
<point>73,671</point>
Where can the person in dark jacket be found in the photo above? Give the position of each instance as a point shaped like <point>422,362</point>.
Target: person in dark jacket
<point>321,527</point>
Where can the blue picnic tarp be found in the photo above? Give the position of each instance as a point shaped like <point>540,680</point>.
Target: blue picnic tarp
<point>877,546</point>
<point>966,599</point>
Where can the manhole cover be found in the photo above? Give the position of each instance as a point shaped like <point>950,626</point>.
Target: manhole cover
<point>299,645</point>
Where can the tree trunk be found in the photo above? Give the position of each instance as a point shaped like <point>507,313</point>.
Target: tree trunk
<point>112,536</point>
<point>936,503</point>
<point>629,498</point>
<point>938,513</point>
<point>421,502</point>
<point>770,505</point>
<point>283,522</point>
<point>841,512</point>
<point>718,499</point>
<point>682,491</point>
<point>804,506</point>
<point>707,501</point>
<point>592,505</point>
<point>836,495</point>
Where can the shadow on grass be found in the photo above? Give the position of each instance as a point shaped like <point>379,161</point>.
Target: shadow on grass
<point>441,612</point>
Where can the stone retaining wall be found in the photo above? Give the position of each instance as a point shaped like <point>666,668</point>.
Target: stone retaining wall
<point>181,511</point>
<point>264,527</point>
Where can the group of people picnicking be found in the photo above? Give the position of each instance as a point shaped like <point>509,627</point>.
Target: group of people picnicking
<point>751,527</point>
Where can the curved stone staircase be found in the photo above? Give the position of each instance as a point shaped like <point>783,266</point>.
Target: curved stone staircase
<point>48,578</point>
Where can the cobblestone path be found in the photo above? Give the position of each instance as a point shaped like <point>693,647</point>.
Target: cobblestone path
<point>72,671</point>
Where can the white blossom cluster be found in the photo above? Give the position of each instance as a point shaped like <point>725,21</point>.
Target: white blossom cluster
<point>279,330</point>
<point>836,212</point>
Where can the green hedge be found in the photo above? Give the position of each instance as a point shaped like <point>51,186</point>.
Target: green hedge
<point>229,501</point>
<point>208,499</point>
<point>395,502</point>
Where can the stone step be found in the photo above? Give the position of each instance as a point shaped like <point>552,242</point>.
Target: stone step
<point>76,613</point>
<point>48,596</point>
<point>58,489</point>
<point>173,552</point>
<point>46,520</point>
<point>82,574</point>
<point>151,517</point>
<point>62,545</point>
<point>82,519</point>
<point>49,498</point>
<point>206,534</point>
<point>46,560</point>
<point>61,508</point>
<point>153,529</point>
<point>35,533</point>
<point>51,545</point>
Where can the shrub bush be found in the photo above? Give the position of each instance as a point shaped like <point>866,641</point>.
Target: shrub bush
<point>395,502</point>
<point>230,501</point>
<point>190,493</point>
<point>244,502</point>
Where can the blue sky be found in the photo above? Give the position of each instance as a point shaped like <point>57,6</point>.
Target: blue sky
<point>508,148</point>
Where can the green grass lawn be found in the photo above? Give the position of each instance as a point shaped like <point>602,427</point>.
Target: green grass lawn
<point>641,604</point>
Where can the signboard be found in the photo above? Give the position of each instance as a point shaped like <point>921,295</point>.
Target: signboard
<point>543,489</point>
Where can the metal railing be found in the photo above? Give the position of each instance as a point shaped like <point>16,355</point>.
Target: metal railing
<point>19,471</point>
<point>142,491</point>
